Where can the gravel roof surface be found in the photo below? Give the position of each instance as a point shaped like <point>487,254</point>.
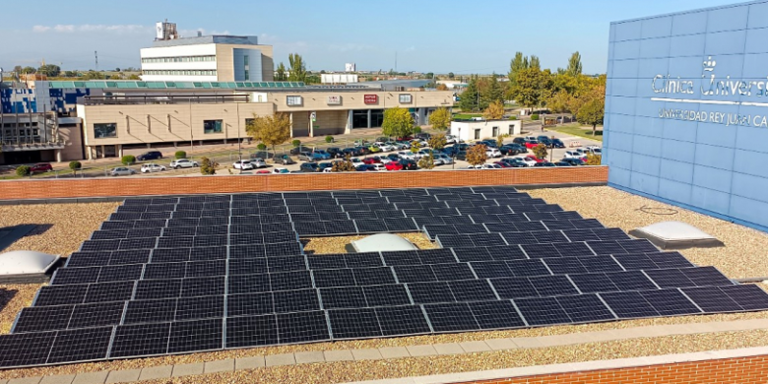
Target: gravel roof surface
<point>744,254</point>
<point>72,224</point>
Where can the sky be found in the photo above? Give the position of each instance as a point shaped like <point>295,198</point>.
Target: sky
<point>463,37</point>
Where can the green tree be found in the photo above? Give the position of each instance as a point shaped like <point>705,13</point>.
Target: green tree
<point>470,97</point>
<point>440,119</point>
<point>500,139</point>
<point>28,70</point>
<point>451,75</point>
<point>560,102</point>
<point>398,122</point>
<point>180,155</point>
<point>477,155</point>
<point>50,70</point>
<point>271,130</point>
<point>528,87</point>
<point>592,113</point>
<point>594,159</point>
<point>429,75</point>
<point>574,65</point>
<point>281,74</point>
<point>18,69</point>
<point>427,162</point>
<point>495,111</point>
<point>298,68</point>
<point>535,62</point>
<point>491,92</point>
<point>75,166</point>
<point>128,160</point>
<point>438,141</point>
<point>93,75</point>
<point>540,151</point>
<point>208,166</point>
<point>415,147</point>
<point>71,74</point>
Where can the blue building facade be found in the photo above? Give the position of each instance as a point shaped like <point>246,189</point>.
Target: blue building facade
<point>687,110</point>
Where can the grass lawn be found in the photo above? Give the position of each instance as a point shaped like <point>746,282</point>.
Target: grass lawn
<point>577,130</point>
<point>466,116</point>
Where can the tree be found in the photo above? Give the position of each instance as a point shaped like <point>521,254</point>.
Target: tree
<point>429,75</point>
<point>491,91</point>
<point>470,97</point>
<point>281,74</point>
<point>28,71</point>
<point>93,75</point>
<point>594,159</point>
<point>540,151</point>
<point>134,77</point>
<point>438,141</point>
<point>298,68</point>
<point>574,64</point>
<point>415,146</point>
<point>440,119</point>
<point>527,89</point>
<point>500,139</point>
<point>50,70</point>
<point>427,162</point>
<point>495,111</point>
<point>477,155</point>
<point>18,69</point>
<point>560,102</point>
<point>398,122</point>
<point>442,87</point>
<point>345,165</point>
<point>271,130</point>
<point>451,75</point>
<point>71,74</point>
<point>535,62</point>
<point>208,166</point>
<point>592,113</point>
<point>75,166</point>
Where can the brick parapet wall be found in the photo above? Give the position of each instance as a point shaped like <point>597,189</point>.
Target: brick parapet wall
<point>155,185</point>
<point>746,370</point>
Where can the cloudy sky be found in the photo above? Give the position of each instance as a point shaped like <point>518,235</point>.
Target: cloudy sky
<point>428,36</point>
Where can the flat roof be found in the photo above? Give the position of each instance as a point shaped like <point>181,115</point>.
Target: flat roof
<point>691,11</point>
<point>211,39</point>
<point>133,84</point>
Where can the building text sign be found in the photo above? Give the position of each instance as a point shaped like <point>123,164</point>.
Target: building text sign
<point>370,99</point>
<point>406,98</point>
<point>711,90</point>
<point>294,101</point>
<point>334,100</point>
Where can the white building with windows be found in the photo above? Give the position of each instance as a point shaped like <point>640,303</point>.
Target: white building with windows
<point>474,130</point>
<point>207,58</point>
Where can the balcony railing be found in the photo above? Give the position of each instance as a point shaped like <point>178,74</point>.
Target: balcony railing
<point>161,99</point>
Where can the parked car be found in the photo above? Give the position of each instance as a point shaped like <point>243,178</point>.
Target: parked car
<point>300,149</point>
<point>462,155</point>
<point>385,147</point>
<point>409,165</point>
<point>152,167</point>
<point>394,166</point>
<point>360,151</point>
<point>280,170</point>
<point>488,143</point>
<point>545,140</point>
<point>356,161</point>
<point>492,152</point>
<point>557,143</point>
<point>528,161</point>
<point>362,143</point>
<point>243,164</point>
<point>503,164</point>
<point>151,155</point>
<point>451,139</point>
<point>573,162</point>
<point>544,164</point>
<point>122,171</point>
<point>536,159</point>
<point>563,164</point>
<point>531,144</point>
<point>372,160</point>
<point>306,156</point>
<point>40,168</point>
<point>335,152</point>
<point>309,167</point>
<point>379,167</point>
<point>392,157</point>
<point>514,162</point>
<point>184,163</point>
<point>284,160</point>
<point>400,145</point>
<point>321,154</point>
<point>575,155</point>
<point>325,165</point>
<point>365,168</point>
<point>443,159</point>
<point>408,155</point>
<point>519,141</point>
<point>423,136</point>
<point>350,152</point>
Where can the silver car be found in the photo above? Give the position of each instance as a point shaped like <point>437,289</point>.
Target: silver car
<point>122,171</point>
<point>184,163</point>
<point>152,167</point>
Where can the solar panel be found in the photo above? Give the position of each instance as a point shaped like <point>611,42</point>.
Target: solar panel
<point>202,273</point>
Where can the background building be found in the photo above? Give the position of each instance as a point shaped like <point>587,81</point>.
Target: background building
<point>350,67</point>
<point>686,112</point>
<point>205,58</point>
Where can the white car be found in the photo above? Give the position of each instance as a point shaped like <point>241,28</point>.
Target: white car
<point>528,161</point>
<point>492,152</point>
<point>574,155</point>
<point>183,163</point>
<point>408,155</point>
<point>243,164</point>
<point>450,139</point>
<point>258,163</point>
<point>443,159</point>
<point>152,167</point>
<point>489,166</point>
<point>328,170</point>
<point>379,167</point>
<point>385,147</point>
<point>121,171</point>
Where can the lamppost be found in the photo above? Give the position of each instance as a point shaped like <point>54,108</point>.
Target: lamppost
<point>458,140</point>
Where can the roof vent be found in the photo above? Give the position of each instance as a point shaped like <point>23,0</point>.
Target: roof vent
<point>25,266</point>
<point>676,235</point>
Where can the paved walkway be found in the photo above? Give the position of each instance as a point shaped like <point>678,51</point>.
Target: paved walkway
<point>231,365</point>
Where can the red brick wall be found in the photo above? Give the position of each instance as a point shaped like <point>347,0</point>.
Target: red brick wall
<point>137,186</point>
<point>753,369</point>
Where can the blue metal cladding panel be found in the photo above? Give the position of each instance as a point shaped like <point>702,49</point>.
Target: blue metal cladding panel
<point>687,109</point>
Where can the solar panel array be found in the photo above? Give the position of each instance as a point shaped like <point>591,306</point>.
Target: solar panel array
<point>192,274</point>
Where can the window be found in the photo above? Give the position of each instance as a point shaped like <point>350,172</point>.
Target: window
<point>511,130</point>
<point>293,101</point>
<point>212,126</point>
<point>247,75</point>
<point>495,132</point>
<point>477,134</point>
<point>101,131</point>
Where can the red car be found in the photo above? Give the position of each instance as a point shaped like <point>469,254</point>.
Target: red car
<point>531,144</point>
<point>536,159</point>
<point>372,160</point>
<point>503,164</point>
<point>40,167</point>
<point>394,166</point>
